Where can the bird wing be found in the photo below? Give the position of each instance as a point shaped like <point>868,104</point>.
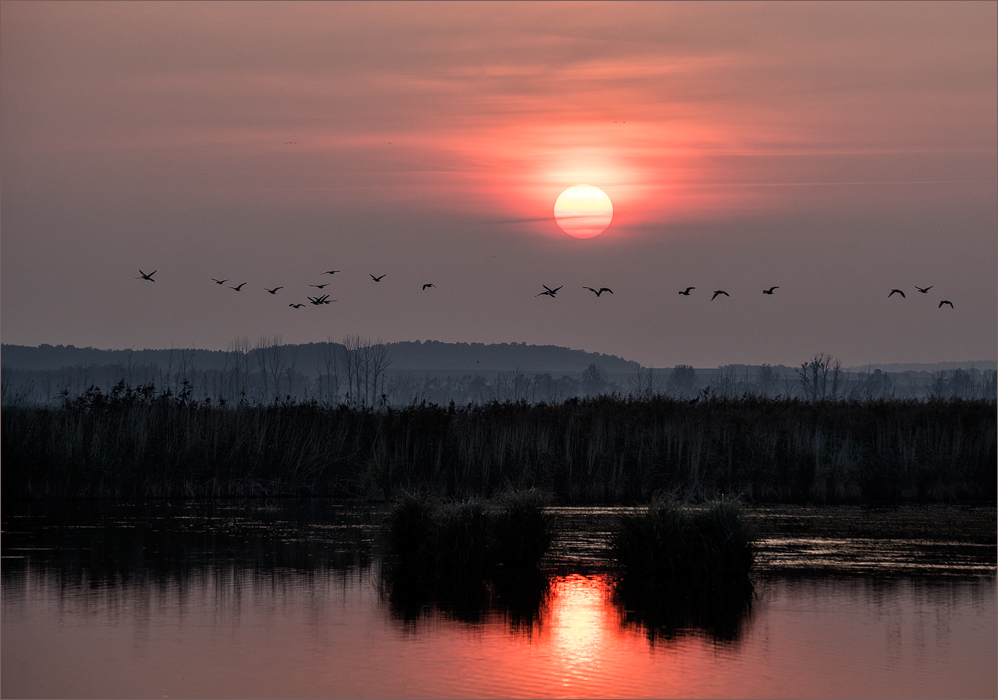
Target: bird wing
<point>606,289</point>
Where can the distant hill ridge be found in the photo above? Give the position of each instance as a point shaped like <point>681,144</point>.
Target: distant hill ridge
<point>429,355</point>
<point>407,355</point>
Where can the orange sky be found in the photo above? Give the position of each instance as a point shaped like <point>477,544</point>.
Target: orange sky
<point>740,145</point>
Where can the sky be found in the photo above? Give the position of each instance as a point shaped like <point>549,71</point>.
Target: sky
<point>835,150</point>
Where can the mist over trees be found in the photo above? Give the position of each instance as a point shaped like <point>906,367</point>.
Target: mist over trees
<point>359,372</point>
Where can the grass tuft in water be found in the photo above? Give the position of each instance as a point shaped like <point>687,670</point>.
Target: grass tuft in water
<point>680,548</point>
<point>471,537</point>
<point>468,556</point>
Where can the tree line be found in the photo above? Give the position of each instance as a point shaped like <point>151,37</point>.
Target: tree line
<point>358,372</point>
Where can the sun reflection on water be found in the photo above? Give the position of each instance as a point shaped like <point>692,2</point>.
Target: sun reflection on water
<point>580,623</point>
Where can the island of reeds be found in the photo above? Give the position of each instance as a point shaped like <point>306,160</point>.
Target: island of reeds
<point>469,555</point>
<point>140,442</point>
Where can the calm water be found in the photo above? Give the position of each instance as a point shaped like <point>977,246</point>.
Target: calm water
<point>286,600</point>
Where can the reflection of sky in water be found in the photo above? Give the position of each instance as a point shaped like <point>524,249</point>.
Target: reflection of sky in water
<point>288,609</point>
<point>329,636</point>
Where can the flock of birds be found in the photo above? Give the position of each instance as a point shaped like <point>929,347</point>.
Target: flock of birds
<point>548,291</point>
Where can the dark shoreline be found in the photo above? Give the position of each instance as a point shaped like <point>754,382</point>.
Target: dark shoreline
<point>592,451</point>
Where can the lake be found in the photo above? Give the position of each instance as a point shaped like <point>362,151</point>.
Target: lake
<point>286,599</point>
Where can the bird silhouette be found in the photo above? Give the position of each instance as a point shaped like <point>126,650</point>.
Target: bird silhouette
<point>296,306</point>
<point>946,302</point>
<point>599,291</point>
<point>719,291</point>
<point>924,291</point>
<point>146,277</point>
<point>330,272</point>
<point>319,301</point>
<point>377,279</point>
<point>274,290</point>
<point>549,292</point>
<point>769,291</point>
<point>429,284</point>
<point>238,288</point>
<point>218,281</point>
<point>896,291</point>
<point>687,292</point>
<point>319,286</point>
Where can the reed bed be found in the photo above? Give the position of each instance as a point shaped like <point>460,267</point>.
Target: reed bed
<point>683,565</point>
<point>434,538</point>
<point>695,548</point>
<point>136,443</point>
<point>467,557</point>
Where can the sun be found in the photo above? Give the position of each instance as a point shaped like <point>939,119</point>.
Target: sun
<point>583,211</point>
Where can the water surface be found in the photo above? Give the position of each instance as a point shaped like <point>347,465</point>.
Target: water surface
<point>286,599</point>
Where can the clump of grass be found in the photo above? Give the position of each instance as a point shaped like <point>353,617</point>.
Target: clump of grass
<point>522,530</point>
<point>467,557</point>
<point>474,537</point>
<point>687,549</point>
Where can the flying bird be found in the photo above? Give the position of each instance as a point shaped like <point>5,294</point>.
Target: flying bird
<point>377,279</point>
<point>218,281</point>
<point>330,272</point>
<point>687,292</point>
<point>719,291</point>
<point>319,301</point>
<point>599,291</point>
<point>896,291</point>
<point>296,306</point>
<point>146,277</point>
<point>924,291</point>
<point>946,302</point>
<point>238,288</point>
<point>769,291</point>
<point>319,286</point>
<point>274,290</point>
<point>549,292</point>
<point>429,284</point>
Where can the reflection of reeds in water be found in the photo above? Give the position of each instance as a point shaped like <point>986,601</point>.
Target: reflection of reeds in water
<point>101,543</point>
<point>668,614</point>
<point>467,558</point>
<point>683,566</point>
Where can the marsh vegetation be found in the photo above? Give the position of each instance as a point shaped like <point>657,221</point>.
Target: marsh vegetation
<point>139,442</point>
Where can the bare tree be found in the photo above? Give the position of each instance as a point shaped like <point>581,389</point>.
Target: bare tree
<point>365,364</point>
<point>380,361</point>
<point>767,379</point>
<point>329,383</point>
<point>683,381</point>
<point>593,381</point>
<point>814,377</point>
<point>645,384</point>
<point>269,355</point>
<point>290,369</point>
